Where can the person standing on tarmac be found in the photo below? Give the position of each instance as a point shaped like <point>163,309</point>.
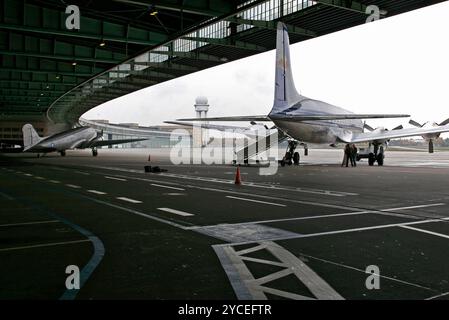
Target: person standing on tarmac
<point>353,155</point>
<point>346,156</point>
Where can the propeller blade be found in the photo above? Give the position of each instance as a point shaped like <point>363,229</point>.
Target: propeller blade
<point>416,124</point>
<point>445,122</point>
<point>431,146</point>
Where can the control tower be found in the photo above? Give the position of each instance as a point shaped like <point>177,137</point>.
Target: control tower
<point>200,137</point>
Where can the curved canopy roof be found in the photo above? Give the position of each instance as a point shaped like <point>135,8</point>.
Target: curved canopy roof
<point>126,45</point>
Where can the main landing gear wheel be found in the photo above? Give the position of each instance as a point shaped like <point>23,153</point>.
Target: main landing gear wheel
<point>380,159</point>
<point>62,153</point>
<point>289,157</point>
<point>296,158</point>
<point>288,160</point>
<point>94,152</point>
<point>377,156</point>
<point>371,159</point>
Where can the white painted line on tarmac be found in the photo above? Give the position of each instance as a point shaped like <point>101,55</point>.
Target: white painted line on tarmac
<point>39,178</point>
<point>289,219</point>
<point>82,172</point>
<point>438,296</point>
<point>55,181</point>
<point>28,174</point>
<point>97,192</point>
<point>168,187</point>
<point>28,223</point>
<point>128,200</point>
<point>44,245</point>
<point>257,201</point>
<point>414,207</point>
<point>427,231</point>
<point>312,203</point>
<point>247,184</point>
<point>113,178</point>
<point>341,214</point>
<point>179,213</point>
<point>318,234</point>
<point>363,271</point>
<point>141,214</point>
<point>73,186</point>
<point>383,226</point>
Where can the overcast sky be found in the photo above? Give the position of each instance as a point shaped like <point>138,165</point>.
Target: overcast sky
<point>395,65</point>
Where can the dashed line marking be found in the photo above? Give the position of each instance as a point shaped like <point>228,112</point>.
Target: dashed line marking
<point>113,178</point>
<point>257,201</point>
<point>97,192</point>
<point>73,186</point>
<point>128,200</point>
<point>168,187</point>
<point>179,213</point>
<point>55,181</point>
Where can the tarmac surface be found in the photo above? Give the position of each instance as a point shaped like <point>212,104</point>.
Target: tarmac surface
<point>307,232</point>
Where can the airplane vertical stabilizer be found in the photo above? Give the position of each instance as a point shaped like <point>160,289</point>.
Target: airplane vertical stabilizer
<point>30,136</point>
<point>285,93</point>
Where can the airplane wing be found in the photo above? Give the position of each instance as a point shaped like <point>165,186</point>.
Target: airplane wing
<point>307,117</point>
<point>384,135</point>
<point>235,118</point>
<point>298,118</point>
<point>234,129</point>
<point>100,143</point>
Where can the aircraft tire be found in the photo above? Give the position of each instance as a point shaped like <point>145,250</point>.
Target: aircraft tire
<point>380,160</point>
<point>371,159</point>
<point>282,163</point>
<point>296,158</point>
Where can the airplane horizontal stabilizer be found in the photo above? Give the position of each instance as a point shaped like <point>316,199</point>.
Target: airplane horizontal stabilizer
<point>234,118</point>
<point>101,143</point>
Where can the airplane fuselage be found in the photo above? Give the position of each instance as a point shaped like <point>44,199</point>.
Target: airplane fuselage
<point>318,132</point>
<point>67,140</point>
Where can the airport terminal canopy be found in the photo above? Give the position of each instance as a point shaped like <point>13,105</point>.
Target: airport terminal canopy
<point>51,65</point>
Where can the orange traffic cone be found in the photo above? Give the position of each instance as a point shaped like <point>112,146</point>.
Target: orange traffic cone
<point>238,180</point>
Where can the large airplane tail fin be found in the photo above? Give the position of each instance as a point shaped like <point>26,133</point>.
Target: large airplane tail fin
<point>285,92</point>
<point>30,136</point>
